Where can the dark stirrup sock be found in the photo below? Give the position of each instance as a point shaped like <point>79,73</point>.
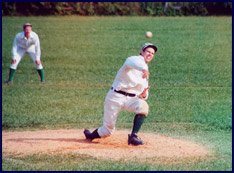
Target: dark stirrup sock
<point>41,74</point>
<point>11,74</point>
<point>138,121</point>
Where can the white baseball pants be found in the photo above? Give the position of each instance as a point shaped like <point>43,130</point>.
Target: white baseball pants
<point>114,102</point>
<point>21,52</point>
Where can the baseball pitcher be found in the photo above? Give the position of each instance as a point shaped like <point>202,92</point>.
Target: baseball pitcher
<point>129,92</point>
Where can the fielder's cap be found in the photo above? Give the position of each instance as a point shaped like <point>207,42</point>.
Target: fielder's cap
<point>146,45</point>
<point>27,24</point>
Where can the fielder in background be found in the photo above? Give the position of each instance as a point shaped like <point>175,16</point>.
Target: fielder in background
<point>129,92</point>
<point>26,42</point>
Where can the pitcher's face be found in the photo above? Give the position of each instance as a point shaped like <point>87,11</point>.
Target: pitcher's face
<point>148,54</point>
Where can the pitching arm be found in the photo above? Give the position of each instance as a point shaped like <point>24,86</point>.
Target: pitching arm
<point>137,64</point>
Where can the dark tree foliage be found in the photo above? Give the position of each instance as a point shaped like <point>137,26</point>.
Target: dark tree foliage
<point>116,8</point>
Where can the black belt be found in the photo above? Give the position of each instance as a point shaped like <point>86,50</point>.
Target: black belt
<point>124,93</point>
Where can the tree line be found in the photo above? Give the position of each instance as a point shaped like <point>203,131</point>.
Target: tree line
<point>116,8</point>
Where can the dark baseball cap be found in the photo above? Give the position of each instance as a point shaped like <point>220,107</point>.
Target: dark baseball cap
<point>146,45</point>
<point>27,24</point>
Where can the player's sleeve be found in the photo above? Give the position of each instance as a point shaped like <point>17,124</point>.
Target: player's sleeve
<point>136,63</point>
<point>37,47</point>
<point>14,48</point>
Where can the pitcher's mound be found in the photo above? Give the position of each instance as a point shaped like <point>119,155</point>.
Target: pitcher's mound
<point>157,148</point>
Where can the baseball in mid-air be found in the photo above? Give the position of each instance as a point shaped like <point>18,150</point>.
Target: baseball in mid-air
<point>148,34</point>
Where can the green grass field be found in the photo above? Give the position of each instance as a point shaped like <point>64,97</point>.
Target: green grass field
<point>190,78</point>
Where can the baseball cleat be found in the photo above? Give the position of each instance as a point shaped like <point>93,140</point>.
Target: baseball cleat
<point>43,81</point>
<point>9,82</point>
<point>92,135</point>
<point>134,140</point>
<point>87,134</point>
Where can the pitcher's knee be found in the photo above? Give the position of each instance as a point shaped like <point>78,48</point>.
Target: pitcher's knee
<point>143,108</point>
<point>106,131</point>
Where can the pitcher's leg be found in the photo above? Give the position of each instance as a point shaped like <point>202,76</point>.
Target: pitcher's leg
<point>111,111</point>
<point>137,123</point>
<point>112,107</point>
<point>141,108</point>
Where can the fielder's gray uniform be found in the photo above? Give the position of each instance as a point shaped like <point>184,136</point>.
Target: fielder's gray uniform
<point>128,79</point>
<point>22,45</point>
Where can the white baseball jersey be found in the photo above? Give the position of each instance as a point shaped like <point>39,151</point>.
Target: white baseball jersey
<point>32,44</point>
<point>129,77</point>
<point>22,45</point>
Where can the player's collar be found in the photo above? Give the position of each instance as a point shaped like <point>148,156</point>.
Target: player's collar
<point>142,57</point>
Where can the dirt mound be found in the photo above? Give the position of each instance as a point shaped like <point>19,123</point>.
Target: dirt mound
<point>157,148</point>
